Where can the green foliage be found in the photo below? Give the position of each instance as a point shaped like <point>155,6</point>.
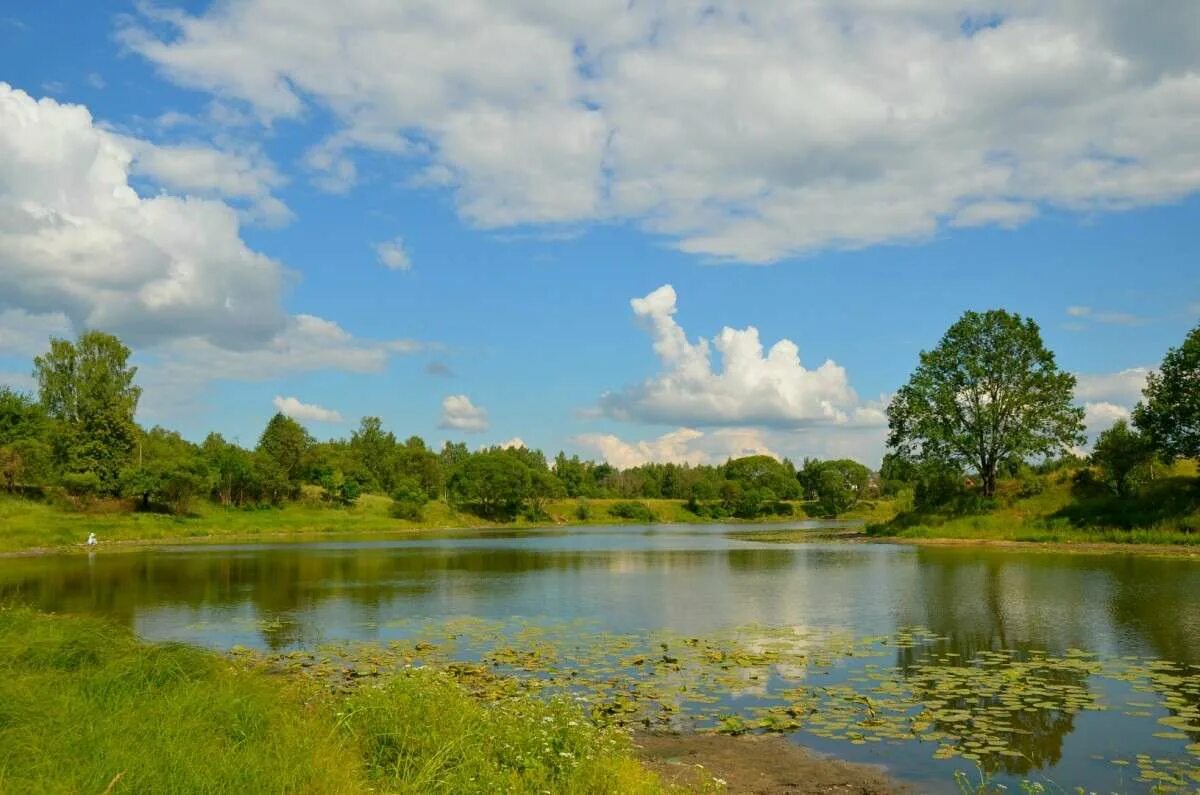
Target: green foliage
<point>493,483</point>
<point>632,510</point>
<point>1124,456</point>
<point>86,387</point>
<point>765,474</point>
<point>420,733</point>
<point>836,494</point>
<point>583,509</point>
<point>21,417</point>
<point>375,450</point>
<point>338,488</point>
<point>1169,415</point>
<point>86,708</point>
<point>83,486</point>
<point>989,392</point>
<point>23,461</point>
<point>285,442</point>
<point>408,500</point>
<point>232,471</point>
<point>896,473</point>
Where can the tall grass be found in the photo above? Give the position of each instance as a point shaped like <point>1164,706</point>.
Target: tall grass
<point>86,707</point>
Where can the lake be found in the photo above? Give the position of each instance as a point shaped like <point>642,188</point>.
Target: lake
<point>1072,668</point>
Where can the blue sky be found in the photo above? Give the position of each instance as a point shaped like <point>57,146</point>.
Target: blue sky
<point>850,191</point>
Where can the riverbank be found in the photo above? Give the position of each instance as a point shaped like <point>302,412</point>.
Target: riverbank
<point>85,706</point>
<point>1060,513</point>
<point>36,527</point>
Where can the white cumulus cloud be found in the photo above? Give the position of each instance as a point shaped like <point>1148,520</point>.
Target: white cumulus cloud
<point>392,255</point>
<point>76,239</point>
<point>681,446</point>
<point>1123,387</point>
<point>310,412</point>
<point>745,131</point>
<point>460,414</point>
<point>751,387</point>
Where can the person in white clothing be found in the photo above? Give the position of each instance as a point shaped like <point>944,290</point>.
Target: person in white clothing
<point>91,542</point>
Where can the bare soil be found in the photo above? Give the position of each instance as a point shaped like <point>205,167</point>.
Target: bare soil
<point>756,765</point>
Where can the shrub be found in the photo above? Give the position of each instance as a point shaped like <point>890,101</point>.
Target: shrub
<point>408,500</point>
<point>636,511</point>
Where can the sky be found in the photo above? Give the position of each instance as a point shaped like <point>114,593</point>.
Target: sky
<point>633,231</point>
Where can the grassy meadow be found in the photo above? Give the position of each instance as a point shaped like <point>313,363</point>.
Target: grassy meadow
<point>86,707</point>
<point>1165,510</point>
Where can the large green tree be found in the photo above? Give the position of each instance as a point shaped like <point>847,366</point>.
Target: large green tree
<point>86,387</point>
<point>286,443</point>
<point>494,483</point>
<point>375,450</point>
<point>989,392</point>
<point>1169,415</point>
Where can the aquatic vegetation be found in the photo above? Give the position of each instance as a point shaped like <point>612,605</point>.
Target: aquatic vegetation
<point>1004,711</point>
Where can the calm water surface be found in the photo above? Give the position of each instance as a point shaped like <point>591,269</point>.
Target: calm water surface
<point>690,579</point>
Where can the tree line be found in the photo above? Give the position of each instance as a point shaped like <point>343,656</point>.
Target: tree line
<point>78,435</point>
<point>988,402</point>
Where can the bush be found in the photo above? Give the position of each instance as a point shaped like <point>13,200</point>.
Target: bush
<point>408,500</point>
<point>583,510</point>
<point>632,510</point>
<point>83,487</point>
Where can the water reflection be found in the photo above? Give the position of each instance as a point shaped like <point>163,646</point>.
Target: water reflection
<point>629,579</point>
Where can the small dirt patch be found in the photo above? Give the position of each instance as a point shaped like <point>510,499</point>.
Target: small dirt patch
<point>757,765</point>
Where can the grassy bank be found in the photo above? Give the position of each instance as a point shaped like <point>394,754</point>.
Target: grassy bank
<point>27,524</point>
<point>85,707</point>
<point>1165,511</point>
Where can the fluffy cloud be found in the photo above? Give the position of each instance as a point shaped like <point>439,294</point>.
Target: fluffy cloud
<point>747,132</point>
<point>202,170</point>
<point>460,414</point>
<point>1124,387</point>
<point>177,372</point>
<point>80,248</point>
<point>682,446</point>
<point>310,412</point>
<point>750,388</point>
<point>392,255</point>
<point>75,238</point>
<point>1101,415</point>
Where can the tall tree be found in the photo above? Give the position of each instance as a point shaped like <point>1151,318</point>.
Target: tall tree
<point>1169,415</point>
<point>989,391</point>
<point>23,451</point>
<point>87,388</point>
<point>375,450</point>
<point>287,444</point>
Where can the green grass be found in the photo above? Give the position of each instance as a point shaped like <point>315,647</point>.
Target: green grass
<point>1165,511</point>
<point>86,707</point>
<point>30,524</point>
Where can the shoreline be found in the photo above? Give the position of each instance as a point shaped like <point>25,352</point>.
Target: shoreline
<point>304,535</point>
<point>800,535</point>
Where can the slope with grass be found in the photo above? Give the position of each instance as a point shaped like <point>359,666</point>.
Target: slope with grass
<point>1163,511</point>
<point>86,707</point>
